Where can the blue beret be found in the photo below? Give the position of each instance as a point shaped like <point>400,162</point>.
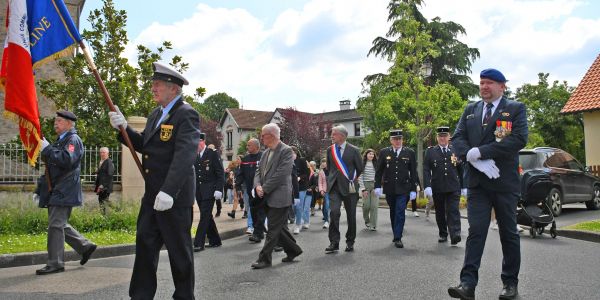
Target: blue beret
<point>493,74</point>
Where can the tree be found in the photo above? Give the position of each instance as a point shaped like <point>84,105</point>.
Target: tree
<point>453,60</point>
<point>547,127</point>
<point>214,106</point>
<point>401,98</point>
<point>212,136</point>
<point>128,86</point>
<point>301,129</point>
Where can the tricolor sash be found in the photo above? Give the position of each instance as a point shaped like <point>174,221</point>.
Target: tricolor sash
<point>341,166</point>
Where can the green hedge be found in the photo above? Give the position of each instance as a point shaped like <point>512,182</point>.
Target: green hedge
<point>21,216</point>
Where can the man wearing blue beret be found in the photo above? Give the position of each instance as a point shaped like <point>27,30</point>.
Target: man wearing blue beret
<point>488,136</point>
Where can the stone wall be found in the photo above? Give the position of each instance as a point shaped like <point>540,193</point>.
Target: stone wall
<point>8,129</point>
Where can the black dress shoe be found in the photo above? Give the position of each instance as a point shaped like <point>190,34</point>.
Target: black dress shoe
<point>277,248</point>
<point>333,247</point>
<point>509,292</point>
<point>462,292</point>
<point>290,257</point>
<point>455,240</point>
<point>398,244</point>
<point>49,270</point>
<point>231,214</point>
<point>198,248</point>
<point>260,265</point>
<point>254,239</point>
<point>86,255</point>
<point>349,248</point>
<point>213,245</point>
<point>442,239</point>
<point>218,214</point>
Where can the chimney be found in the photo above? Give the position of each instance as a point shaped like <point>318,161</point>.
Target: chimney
<point>345,105</point>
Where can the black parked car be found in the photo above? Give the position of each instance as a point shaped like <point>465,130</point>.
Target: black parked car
<point>572,181</point>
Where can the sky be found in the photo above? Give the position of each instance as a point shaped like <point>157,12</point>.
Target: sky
<point>310,54</point>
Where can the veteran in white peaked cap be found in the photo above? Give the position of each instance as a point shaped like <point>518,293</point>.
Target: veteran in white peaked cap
<point>167,73</point>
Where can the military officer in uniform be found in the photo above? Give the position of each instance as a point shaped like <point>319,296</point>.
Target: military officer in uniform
<point>209,186</point>
<point>168,146</point>
<point>442,178</point>
<point>63,166</point>
<point>397,174</point>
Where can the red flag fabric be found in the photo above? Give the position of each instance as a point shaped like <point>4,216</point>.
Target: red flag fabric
<point>16,77</point>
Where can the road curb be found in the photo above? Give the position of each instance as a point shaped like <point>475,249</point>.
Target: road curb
<point>38,258</point>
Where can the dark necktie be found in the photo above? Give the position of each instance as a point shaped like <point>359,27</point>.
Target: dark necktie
<point>488,113</point>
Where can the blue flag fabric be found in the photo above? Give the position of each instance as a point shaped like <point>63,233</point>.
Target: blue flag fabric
<point>52,32</point>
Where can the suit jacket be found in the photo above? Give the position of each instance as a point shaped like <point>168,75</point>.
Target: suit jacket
<point>168,153</point>
<point>104,176</point>
<point>442,172</point>
<point>396,174</point>
<point>275,176</point>
<point>209,174</point>
<point>353,161</point>
<point>505,153</point>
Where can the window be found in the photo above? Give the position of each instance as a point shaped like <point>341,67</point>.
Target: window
<point>356,129</point>
<point>229,140</point>
<point>229,157</point>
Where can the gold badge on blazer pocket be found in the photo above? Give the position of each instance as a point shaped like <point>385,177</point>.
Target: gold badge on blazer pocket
<point>166,131</point>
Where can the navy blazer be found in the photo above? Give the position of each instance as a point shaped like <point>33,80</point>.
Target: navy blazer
<point>353,162</point>
<point>505,153</point>
<point>210,176</point>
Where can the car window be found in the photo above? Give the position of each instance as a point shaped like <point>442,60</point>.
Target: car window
<point>556,160</point>
<point>529,160</point>
<point>572,163</point>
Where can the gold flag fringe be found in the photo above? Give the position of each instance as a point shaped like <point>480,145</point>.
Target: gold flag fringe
<point>29,126</point>
<point>66,52</point>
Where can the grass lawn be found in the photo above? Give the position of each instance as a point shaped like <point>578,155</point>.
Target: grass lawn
<point>587,226</point>
<point>16,243</point>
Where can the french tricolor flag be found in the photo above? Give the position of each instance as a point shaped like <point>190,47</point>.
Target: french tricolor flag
<point>37,31</point>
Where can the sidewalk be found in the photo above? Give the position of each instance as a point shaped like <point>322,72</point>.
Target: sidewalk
<point>228,228</point>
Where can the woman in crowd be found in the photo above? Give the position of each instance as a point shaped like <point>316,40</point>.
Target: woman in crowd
<point>323,172</point>
<point>367,187</point>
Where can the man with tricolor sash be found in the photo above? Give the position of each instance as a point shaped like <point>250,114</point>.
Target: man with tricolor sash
<point>342,186</point>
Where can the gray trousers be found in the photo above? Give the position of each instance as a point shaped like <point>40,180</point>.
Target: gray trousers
<point>59,232</point>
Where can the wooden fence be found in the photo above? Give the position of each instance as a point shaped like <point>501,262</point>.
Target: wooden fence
<point>595,170</point>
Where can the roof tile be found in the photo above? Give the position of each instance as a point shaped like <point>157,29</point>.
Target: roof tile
<point>586,96</point>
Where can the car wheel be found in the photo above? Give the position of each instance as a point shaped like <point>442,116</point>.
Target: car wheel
<point>555,201</point>
<point>594,204</point>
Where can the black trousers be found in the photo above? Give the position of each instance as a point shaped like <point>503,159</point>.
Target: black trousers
<point>479,209</point>
<point>447,214</point>
<point>350,201</point>
<point>257,210</point>
<point>206,225</point>
<point>155,228</point>
<point>278,235</point>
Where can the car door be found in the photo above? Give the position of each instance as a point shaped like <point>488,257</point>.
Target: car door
<point>560,174</point>
<point>582,184</point>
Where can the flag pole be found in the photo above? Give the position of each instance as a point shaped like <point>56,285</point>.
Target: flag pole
<point>110,104</point>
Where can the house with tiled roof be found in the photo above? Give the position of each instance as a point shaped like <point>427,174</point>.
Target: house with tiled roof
<point>586,99</point>
<point>235,126</point>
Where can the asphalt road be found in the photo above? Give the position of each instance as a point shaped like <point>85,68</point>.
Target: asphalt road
<point>559,268</point>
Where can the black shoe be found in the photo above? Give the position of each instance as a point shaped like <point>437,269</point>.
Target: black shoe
<point>260,265</point>
<point>277,248</point>
<point>290,257</point>
<point>398,244</point>
<point>218,214</point>
<point>231,214</point>
<point>49,270</point>
<point>213,245</point>
<point>509,292</point>
<point>442,239</point>
<point>245,215</point>
<point>198,248</point>
<point>455,240</point>
<point>86,255</point>
<point>462,292</point>
<point>333,247</point>
<point>254,239</point>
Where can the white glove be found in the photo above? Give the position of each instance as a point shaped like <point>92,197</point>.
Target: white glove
<point>218,195</point>
<point>45,143</point>
<point>413,195</point>
<point>488,167</point>
<point>296,201</point>
<point>36,198</point>
<point>116,118</point>
<point>473,154</point>
<point>463,192</point>
<point>163,201</point>
<point>428,192</point>
<point>378,192</point>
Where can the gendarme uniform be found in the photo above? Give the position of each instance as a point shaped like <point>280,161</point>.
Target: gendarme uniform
<point>443,172</point>
<point>397,175</point>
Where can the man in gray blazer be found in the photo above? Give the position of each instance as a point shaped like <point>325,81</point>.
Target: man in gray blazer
<point>273,183</point>
<point>345,165</point>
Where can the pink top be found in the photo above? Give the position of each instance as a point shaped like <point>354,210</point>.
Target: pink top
<point>322,181</point>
